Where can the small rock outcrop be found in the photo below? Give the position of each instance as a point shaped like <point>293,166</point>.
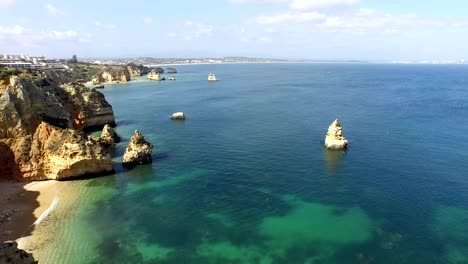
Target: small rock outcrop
<point>108,136</point>
<point>334,138</point>
<point>178,116</point>
<point>138,151</point>
<point>10,253</point>
<point>171,70</point>
<point>211,77</point>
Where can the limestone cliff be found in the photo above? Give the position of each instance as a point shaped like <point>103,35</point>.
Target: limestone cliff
<point>334,138</point>
<point>40,129</point>
<point>138,151</point>
<point>137,70</point>
<point>112,74</point>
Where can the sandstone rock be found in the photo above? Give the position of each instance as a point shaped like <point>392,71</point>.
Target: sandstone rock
<point>137,70</point>
<point>92,107</point>
<point>38,130</point>
<point>108,136</point>
<point>9,253</point>
<point>112,74</point>
<point>334,138</point>
<point>138,151</point>
<point>178,115</point>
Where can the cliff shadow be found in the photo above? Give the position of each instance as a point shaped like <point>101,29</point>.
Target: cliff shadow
<point>17,204</point>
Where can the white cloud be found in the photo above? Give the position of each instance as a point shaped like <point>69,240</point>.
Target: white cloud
<point>16,30</point>
<point>319,4</point>
<point>172,34</point>
<point>197,30</point>
<point>259,1</point>
<point>365,12</point>
<point>290,17</point>
<point>63,35</point>
<point>147,20</point>
<point>105,26</point>
<point>302,4</point>
<point>8,2</point>
<point>54,10</point>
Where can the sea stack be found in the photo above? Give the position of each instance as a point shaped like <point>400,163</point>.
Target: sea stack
<point>138,151</point>
<point>334,138</point>
<point>178,116</point>
<point>211,77</point>
<point>108,135</point>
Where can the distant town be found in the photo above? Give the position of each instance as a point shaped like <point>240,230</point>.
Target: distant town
<point>42,63</point>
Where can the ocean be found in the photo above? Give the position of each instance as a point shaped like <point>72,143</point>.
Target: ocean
<point>246,179</point>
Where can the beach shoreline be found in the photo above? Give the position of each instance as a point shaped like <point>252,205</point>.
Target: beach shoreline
<point>24,204</point>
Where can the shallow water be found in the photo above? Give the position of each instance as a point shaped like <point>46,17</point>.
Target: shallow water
<point>245,179</point>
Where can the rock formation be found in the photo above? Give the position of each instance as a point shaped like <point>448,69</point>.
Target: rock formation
<point>211,77</point>
<point>334,138</point>
<point>41,130</point>
<point>9,253</point>
<point>178,115</point>
<point>108,136</point>
<point>159,70</point>
<point>138,151</point>
<point>171,70</point>
<point>112,74</point>
<point>137,70</point>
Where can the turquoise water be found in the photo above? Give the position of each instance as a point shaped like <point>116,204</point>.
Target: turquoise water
<point>245,179</point>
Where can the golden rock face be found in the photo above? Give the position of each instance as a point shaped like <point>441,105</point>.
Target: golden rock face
<point>41,133</point>
<point>334,138</point>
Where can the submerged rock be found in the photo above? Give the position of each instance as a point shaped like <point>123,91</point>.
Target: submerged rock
<point>108,135</point>
<point>334,138</point>
<point>178,116</point>
<point>138,151</point>
<point>10,253</point>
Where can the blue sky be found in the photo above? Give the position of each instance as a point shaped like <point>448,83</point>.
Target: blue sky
<point>301,29</point>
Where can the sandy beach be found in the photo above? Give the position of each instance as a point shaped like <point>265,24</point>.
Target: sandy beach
<point>22,204</point>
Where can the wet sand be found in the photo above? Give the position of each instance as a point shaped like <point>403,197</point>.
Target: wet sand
<point>21,204</point>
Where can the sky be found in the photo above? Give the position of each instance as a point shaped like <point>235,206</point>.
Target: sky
<point>291,29</point>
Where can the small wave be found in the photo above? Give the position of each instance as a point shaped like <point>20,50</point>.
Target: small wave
<point>22,241</point>
<point>48,211</point>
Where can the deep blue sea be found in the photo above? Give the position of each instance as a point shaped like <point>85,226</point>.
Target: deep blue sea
<point>246,179</point>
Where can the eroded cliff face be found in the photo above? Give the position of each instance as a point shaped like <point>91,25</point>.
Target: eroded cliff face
<point>137,70</point>
<point>41,130</point>
<point>120,74</point>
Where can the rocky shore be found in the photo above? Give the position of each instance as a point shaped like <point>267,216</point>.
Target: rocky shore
<point>41,129</point>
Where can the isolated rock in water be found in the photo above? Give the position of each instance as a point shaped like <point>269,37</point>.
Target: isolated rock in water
<point>138,151</point>
<point>334,138</point>
<point>171,70</point>
<point>108,136</point>
<point>9,253</point>
<point>178,115</point>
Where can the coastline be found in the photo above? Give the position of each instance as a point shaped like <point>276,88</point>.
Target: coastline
<point>24,204</point>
